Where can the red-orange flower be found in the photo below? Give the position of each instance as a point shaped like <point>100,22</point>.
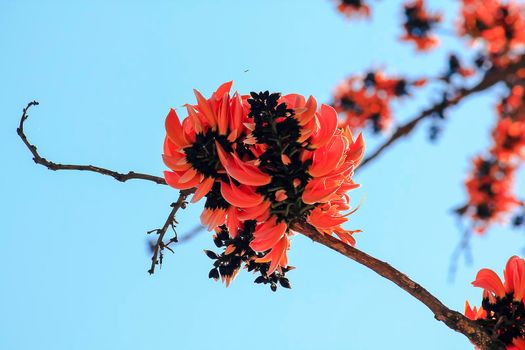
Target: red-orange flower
<point>263,163</point>
<point>353,8</point>
<point>418,25</point>
<point>500,25</point>
<point>490,194</point>
<point>503,309</point>
<point>365,100</point>
<point>190,147</point>
<point>490,186</point>
<point>509,133</point>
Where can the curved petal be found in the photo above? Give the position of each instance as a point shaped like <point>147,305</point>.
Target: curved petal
<point>489,280</point>
<point>232,221</point>
<point>254,213</point>
<point>242,196</point>
<point>245,173</point>
<point>174,129</point>
<point>356,150</point>
<point>327,158</point>
<point>276,256</point>
<point>319,190</point>
<point>176,164</point>
<point>268,234</point>
<point>223,116</point>
<point>189,175</point>
<point>515,277</point>
<point>203,189</point>
<point>327,119</point>
<point>325,220</point>
<point>205,109</point>
<point>173,179</point>
<point>222,90</point>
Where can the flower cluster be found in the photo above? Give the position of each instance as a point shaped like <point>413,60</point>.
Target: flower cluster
<point>418,25</point>
<point>353,8</point>
<point>489,189</point>
<point>263,163</point>
<point>490,186</point>
<point>499,25</point>
<point>365,100</point>
<point>509,133</point>
<point>503,310</point>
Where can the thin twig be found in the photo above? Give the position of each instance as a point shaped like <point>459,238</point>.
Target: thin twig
<point>453,319</point>
<point>156,259</point>
<point>122,177</point>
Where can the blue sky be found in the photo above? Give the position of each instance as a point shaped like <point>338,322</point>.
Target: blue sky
<point>73,257</point>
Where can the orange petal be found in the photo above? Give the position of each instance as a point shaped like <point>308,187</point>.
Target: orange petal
<point>277,256</point>
<point>242,196</point>
<point>169,147</point>
<point>327,119</point>
<point>346,236</point>
<point>176,164</point>
<point>515,277</point>
<point>489,280</point>
<point>174,129</point>
<point>195,119</point>
<point>311,108</point>
<point>319,190</point>
<point>325,220</point>
<point>232,221</point>
<point>203,189</point>
<point>222,90</point>
<point>327,158</point>
<point>267,235</point>
<point>519,343</point>
<point>245,173</point>
<point>173,179</point>
<point>205,108</point>
<point>469,312</point>
<point>356,151</point>
<point>211,219</point>
<point>222,118</point>
<point>255,213</point>
<point>188,175</point>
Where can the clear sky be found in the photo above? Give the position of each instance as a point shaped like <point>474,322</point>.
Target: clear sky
<point>73,256</point>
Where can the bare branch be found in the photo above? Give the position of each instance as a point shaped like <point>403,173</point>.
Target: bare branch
<point>453,319</point>
<point>56,166</point>
<point>156,259</point>
<point>492,77</point>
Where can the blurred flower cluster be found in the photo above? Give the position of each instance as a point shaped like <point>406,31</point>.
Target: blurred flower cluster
<point>498,25</point>
<point>353,8</point>
<point>263,162</point>
<point>364,100</point>
<point>490,185</point>
<point>418,25</point>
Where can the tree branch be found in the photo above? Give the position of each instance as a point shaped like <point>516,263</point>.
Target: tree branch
<point>56,166</point>
<point>453,319</point>
<point>492,77</point>
<point>156,259</point>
